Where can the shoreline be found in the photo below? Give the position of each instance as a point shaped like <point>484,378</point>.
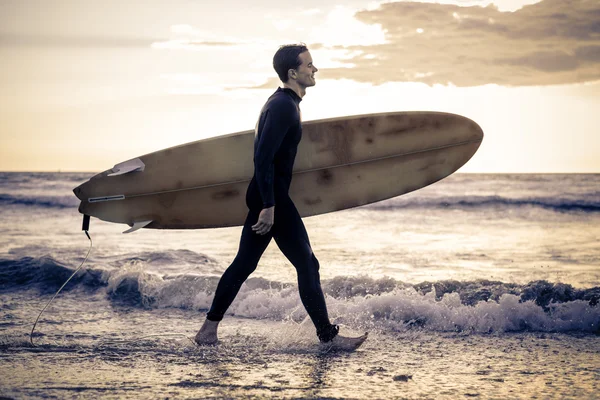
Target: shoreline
<point>264,359</point>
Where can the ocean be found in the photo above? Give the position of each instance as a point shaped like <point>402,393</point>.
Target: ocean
<point>480,285</point>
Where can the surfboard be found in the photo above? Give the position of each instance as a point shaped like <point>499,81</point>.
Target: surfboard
<point>341,163</point>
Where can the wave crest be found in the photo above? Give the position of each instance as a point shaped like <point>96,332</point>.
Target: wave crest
<point>471,306</point>
<point>590,205</point>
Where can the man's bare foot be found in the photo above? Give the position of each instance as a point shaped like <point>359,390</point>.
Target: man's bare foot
<point>207,335</point>
<point>343,343</point>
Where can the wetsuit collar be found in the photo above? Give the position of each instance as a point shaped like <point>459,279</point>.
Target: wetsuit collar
<point>295,96</point>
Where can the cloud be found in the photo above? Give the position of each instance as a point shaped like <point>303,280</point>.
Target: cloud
<point>551,42</point>
<point>190,44</point>
<point>341,27</point>
<point>187,37</point>
<point>72,41</point>
<point>183,37</point>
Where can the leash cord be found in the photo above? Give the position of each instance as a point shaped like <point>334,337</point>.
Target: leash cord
<point>61,288</point>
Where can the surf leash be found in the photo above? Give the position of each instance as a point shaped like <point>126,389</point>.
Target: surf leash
<point>85,227</point>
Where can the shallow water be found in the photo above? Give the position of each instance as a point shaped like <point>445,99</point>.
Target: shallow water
<point>109,354</point>
<point>478,286</point>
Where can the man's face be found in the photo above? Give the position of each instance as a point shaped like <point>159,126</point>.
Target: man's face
<point>305,73</point>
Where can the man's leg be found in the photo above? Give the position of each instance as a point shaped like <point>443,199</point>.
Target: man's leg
<point>252,246</point>
<point>291,237</point>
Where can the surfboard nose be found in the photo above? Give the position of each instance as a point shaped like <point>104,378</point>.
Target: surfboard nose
<point>79,191</point>
<point>82,192</point>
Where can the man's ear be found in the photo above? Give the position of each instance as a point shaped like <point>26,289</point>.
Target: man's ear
<point>292,73</point>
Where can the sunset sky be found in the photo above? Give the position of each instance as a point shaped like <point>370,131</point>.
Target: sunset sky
<point>87,84</point>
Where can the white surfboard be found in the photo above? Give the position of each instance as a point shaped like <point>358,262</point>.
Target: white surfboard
<point>341,163</point>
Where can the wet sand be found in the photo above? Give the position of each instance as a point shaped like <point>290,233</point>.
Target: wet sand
<point>109,356</point>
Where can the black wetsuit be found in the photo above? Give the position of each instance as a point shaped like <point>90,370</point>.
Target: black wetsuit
<point>278,132</point>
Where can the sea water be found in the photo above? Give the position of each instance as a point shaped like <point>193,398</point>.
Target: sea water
<point>480,284</point>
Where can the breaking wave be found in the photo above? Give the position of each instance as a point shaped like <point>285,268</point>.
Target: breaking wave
<point>591,205</point>
<point>473,306</point>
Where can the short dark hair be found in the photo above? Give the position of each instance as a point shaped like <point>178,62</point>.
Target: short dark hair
<point>286,58</point>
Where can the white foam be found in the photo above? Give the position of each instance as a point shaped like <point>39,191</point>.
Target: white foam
<point>399,309</point>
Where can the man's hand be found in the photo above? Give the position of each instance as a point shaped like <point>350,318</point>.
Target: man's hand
<point>266,219</point>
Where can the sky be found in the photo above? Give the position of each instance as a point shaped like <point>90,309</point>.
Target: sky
<point>88,84</point>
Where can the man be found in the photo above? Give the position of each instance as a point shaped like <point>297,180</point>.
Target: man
<point>272,214</point>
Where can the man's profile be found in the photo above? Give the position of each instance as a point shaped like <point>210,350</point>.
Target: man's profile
<point>272,214</point>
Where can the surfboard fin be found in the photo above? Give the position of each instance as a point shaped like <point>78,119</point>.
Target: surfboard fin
<point>127,166</point>
<point>137,225</point>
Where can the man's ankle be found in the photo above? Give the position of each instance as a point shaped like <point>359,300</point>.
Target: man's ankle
<point>209,325</point>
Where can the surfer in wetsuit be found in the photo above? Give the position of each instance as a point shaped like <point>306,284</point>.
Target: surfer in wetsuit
<point>272,214</point>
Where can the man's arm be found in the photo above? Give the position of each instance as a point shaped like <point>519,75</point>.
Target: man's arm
<point>277,121</point>
<point>273,128</point>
